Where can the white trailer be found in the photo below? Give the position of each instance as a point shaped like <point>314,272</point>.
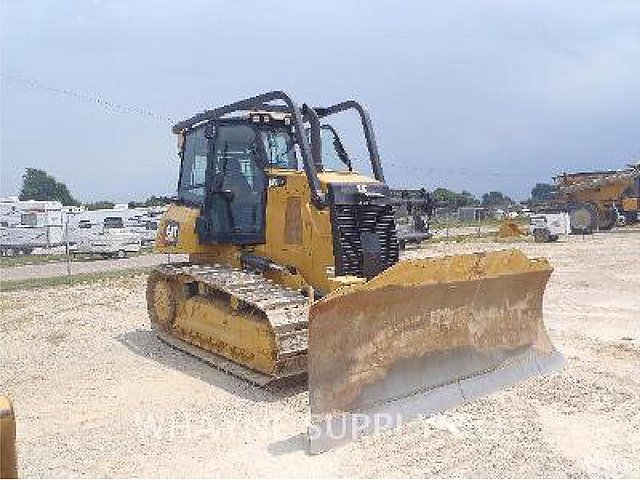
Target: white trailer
<point>29,224</point>
<point>145,222</point>
<point>105,232</point>
<point>112,242</point>
<point>87,223</point>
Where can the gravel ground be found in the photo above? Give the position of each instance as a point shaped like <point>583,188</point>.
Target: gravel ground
<point>97,395</point>
<point>59,269</point>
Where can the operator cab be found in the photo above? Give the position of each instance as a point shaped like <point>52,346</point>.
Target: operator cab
<point>225,161</point>
<point>223,171</point>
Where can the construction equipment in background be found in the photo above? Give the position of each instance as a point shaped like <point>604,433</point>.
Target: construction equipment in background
<point>8,463</point>
<point>593,199</point>
<point>630,204</point>
<point>510,229</point>
<point>548,226</point>
<point>294,268</point>
<point>413,210</point>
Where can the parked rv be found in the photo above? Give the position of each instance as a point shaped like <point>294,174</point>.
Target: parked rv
<point>105,232</point>
<point>113,240</point>
<point>26,225</point>
<point>144,221</point>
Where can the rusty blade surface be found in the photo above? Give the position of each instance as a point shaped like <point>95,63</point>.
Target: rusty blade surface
<point>423,336</point>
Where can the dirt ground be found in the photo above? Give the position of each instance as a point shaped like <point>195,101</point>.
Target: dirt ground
<point>96,394</point>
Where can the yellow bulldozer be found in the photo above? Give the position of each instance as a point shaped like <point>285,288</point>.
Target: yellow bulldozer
<point>294,270</point>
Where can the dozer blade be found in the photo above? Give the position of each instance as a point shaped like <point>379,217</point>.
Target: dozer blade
<point>422,337</point>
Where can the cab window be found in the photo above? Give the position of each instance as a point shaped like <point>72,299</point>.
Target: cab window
<point>194,167</point>
<point>234,208</point>
<point>280,149</point>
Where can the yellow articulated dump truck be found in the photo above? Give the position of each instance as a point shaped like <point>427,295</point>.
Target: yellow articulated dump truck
<point>294,270</point>
<point>597,200</point>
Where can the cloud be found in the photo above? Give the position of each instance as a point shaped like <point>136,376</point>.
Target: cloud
<point>476,95</point>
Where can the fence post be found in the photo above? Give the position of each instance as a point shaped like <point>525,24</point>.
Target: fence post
<point>66,240</point>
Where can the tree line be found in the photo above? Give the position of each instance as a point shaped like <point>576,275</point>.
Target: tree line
<point>39,185</point>
<point>540,193</point>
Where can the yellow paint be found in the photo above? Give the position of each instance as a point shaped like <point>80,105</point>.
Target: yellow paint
<point>601,197</point>
<point>304,243</point>
<point>8,463</point>
<point>631,204</point>
<point>312,256</point>
<point>239,336</point>
<point>452,268</point>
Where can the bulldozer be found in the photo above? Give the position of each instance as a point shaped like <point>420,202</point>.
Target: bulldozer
<point>294,270</point>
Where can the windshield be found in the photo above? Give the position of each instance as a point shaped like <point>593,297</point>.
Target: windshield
<point>279,146</point>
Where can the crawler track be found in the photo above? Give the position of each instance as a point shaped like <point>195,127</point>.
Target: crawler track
<point>285,310</point>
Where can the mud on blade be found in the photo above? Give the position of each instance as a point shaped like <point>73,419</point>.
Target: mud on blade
<point>424,336</point>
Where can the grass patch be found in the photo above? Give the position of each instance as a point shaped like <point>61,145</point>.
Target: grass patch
<point>31,283</point>
<point>6,262</point>
<point>31,260</point>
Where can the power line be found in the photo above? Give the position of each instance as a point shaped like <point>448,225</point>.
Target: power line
<point>88,98</point>
<point>458,172</point>
<point>148,113</point>
<point>131,109</point>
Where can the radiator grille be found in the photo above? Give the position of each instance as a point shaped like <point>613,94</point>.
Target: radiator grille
<point>349,222</point>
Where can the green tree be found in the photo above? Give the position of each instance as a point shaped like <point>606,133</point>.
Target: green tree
<point>39,185</point>
<point>152,201</point>
<point>543,192</point>
<point>466,199</point>
<point>449,198</point>
<point>496,199</point>
<point>100,205</point>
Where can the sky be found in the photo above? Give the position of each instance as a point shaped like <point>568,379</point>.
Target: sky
<point>475,95</point>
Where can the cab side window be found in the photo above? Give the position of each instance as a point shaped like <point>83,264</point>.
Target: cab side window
<point>280,148</point>
<point>194,167</point>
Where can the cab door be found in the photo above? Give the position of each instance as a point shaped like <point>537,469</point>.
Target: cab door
<point>235,193</point>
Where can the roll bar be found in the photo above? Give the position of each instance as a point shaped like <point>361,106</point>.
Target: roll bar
<point>367,127</point>
<point>311,154</point>
<point>259,102</point>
